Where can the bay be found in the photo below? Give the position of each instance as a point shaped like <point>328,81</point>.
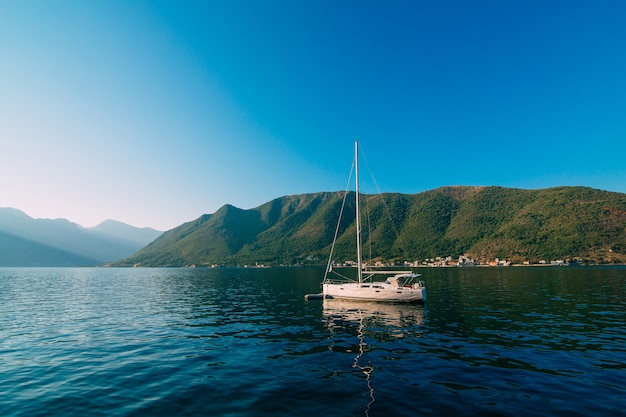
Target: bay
<point>243,342</point>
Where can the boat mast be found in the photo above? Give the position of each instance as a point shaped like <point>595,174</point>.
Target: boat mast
<point>359,261</point>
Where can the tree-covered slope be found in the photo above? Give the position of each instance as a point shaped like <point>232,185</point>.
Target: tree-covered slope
<point>482,222</point>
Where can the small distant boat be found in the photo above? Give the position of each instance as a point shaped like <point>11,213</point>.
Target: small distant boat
<point>399,286</point>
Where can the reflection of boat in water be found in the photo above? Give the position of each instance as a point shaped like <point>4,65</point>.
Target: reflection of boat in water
<point>385,314</point>
<point>377,321</point>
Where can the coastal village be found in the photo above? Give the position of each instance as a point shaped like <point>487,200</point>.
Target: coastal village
<point>466,261</point>
<point>463,261</point>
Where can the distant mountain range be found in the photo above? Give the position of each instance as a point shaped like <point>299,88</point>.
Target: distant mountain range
<point>482,222</point>
<point>25,241</point>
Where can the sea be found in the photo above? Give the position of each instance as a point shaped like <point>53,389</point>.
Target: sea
<point>511,341</point>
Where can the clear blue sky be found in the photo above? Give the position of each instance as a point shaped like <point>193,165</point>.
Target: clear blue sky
<point>156,112</point>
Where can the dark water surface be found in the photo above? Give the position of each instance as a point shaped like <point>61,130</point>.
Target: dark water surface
<point>243,342</point>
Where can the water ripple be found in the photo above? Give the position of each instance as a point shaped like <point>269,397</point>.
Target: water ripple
<point>161,342</point>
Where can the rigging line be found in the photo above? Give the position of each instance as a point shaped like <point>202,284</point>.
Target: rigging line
<point>369,227</point>
<point>345,278</point>
<point>387,209</point>
<point>343,205</point>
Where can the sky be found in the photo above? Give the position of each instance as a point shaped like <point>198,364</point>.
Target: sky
<point>156,112</point>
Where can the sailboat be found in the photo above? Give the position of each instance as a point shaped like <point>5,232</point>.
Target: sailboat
<point>399,286</point>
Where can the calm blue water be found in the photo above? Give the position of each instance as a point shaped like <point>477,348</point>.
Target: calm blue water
<point>243,342</point>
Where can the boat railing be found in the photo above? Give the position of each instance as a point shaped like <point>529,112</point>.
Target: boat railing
<point>335,274</point>
<point>335,277</point>
<point>342,280</point>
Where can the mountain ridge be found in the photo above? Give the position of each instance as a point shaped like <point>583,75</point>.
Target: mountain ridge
<point>484,222</point>
<point>59,242</point>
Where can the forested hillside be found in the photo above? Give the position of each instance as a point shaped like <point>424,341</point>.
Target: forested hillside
<point>482,222</point>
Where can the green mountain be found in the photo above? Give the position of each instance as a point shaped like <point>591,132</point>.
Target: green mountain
<point>481,222</point>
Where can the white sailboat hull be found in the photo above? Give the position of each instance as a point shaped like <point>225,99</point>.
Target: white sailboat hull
<point>375,291</point>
